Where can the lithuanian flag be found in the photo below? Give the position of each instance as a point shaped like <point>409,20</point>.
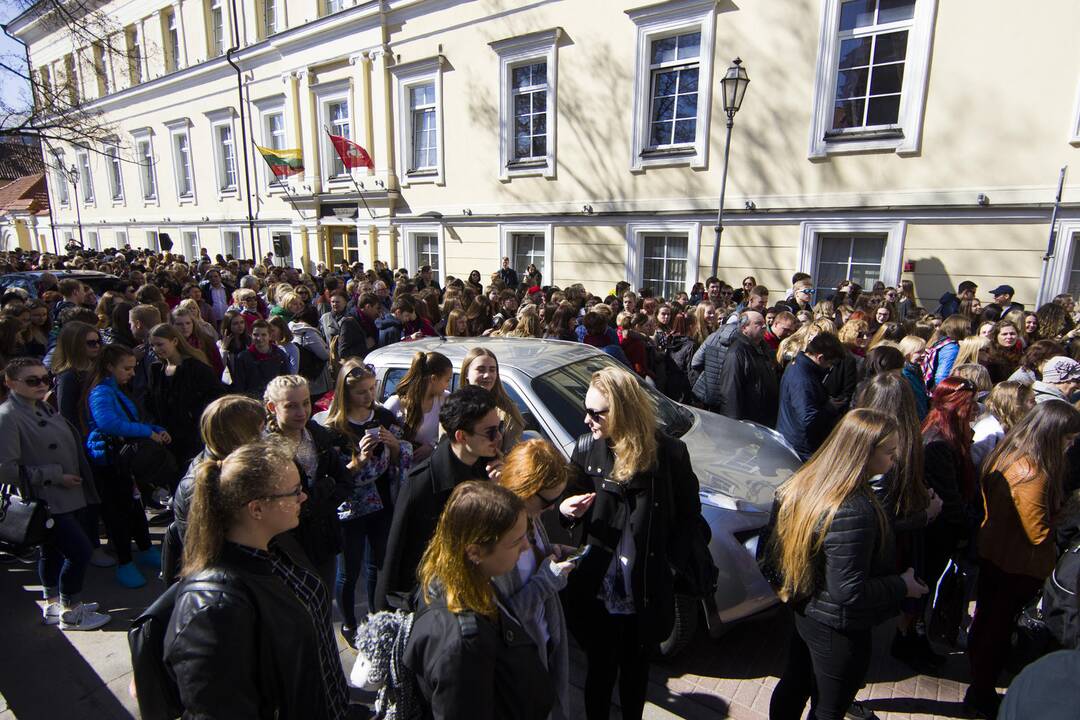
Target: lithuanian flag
<point>283,163</point>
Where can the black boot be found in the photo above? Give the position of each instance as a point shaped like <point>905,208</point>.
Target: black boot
<point>982,704</point>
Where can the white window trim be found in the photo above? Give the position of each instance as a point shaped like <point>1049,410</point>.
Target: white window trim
<point>1074,129</point>
<point>912,100</point>
<point>271,106</point>
<point>405,78</point>
<point>1057,271</point>
<point>408,235</point>
<point>239,230</point>
<point>138,135</point>
<point>333,92</point>
<point>60,177</point>
<point>145,237</point>
<point>114,144</point>
<point>891,259</point>
<point>506,246</point>
<point>218,118</point>
<point>514,52</point>
<point>182,126</point>
<point>81,155</point>
<point>654,22</point>
<point>635,247</point>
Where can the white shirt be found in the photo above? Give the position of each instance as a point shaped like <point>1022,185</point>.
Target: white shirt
<point>428,434</point>
<point>987,434</point>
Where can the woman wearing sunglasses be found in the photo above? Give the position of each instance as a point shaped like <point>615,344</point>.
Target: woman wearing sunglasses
<point>77,347</point>
<point>637,499</point>
<point>371,438</point>
<point>258,642</point>
<point>41,449</point>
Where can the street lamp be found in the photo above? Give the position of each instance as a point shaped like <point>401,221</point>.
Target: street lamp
<point>733,86</point>
<point>74,174</point>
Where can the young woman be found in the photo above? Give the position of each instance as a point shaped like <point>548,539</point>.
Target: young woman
<point>282,337</point>
<point>77,347</point>
<point>1022,487</point>
<point>37,335</point>
<point>537,473</point>
<point>471,654</point>
<point>457,325</point>
<point>229,661</point>
<point>182,384</point>
<point>119,328</point>
<point>481,367</point>
<point>1006,406</point>
<point>419,397</point>
<point>907,302</point>
<point>225,425</point>
<point>112,418</point>
<point>706,321</point>
<point>949,471</point>
<point>1005,352</point>
<point>187,323</point>
<point>479,316</point>
<point>327,480</point>
<point>834,548</point>
<point>1031,327</point>
<point>41,454</point>
<point>620,599</point>
<point>908,504</point>
<point>235,339</point>
<point>941,355</point>
<point>379,461</point>
<point>912,347</point>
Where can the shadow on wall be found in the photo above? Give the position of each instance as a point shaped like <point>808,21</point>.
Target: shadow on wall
<point>931,281</point>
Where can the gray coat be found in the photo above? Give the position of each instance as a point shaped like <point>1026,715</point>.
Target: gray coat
<point>37,447</point>
<point>542,590</point>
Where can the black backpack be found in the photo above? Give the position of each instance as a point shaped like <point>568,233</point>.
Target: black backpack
<point>157,693</point>
<point>311,365</point>
<point>1060,607</point>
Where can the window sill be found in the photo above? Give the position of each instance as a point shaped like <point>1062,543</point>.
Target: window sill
<point>118,202</point>
<point>885,133</point>
<point>541,167</point>
<point>682,155</point>
<point>186,199</point>
<point>425,175</point>
<point>227,193</point>
<point>150,202</point>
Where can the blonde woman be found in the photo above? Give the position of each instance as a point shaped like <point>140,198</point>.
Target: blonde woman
<point>797,341</point>
<point>1006,405</point>
<point>481,367</point>
<point>706,321</point>
<point>912,347</point>
<point>467,649</point>
<point>835,554</point>
<point>971,349</point>
<point>620,599</point>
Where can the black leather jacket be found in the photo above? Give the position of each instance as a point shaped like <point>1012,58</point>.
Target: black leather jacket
<point>248,651</point>
<point>319,532</point>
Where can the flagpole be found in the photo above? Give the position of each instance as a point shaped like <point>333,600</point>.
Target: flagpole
<point>359,190</point>
<point>280,182</point>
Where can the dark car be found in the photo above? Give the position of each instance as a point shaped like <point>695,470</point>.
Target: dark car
<point>99,282</point>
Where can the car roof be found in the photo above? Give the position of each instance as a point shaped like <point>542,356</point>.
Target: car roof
<point>531,356</point>
<point>63,273</point>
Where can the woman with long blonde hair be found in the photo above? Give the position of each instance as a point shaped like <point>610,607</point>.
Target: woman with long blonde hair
<point>481,367</point>
<point>706,321</point>
<point>636,496</point>
<point>467,649</point>
<point>834,551</point>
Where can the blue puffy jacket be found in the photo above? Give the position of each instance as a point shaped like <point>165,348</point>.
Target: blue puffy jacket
<point>108,418</point>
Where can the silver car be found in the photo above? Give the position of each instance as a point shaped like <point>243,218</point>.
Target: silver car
<point>739,464</point>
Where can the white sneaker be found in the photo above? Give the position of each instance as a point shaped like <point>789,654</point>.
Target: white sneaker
<point>101,558</point>
<point>53,611</point>
<point>79,618</point>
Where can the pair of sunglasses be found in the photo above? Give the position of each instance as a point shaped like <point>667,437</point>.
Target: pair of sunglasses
<point>492,433</point>
<point>38,380</point>
<point>596,415</point>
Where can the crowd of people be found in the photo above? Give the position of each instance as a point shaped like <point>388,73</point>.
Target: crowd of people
<point>229,400</point>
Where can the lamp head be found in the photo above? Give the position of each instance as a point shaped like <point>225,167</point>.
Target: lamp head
<point>734,86</point>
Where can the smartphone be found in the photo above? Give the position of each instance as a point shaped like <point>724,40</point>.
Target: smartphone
<point>373,433</point>
<point>576,556</point>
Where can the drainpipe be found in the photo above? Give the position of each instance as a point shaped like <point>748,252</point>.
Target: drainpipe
<point>29,72</point>
<point>243,129</point>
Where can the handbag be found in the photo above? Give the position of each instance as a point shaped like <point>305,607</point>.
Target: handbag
<point>149,464</point>
<point>949,604</point>
<point>23,522</point>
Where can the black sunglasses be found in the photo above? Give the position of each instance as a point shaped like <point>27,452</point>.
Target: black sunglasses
<point>295,493</point>
<point>358,372</point>
<point>93,343</point>
<point>596,415</point>
<point>493,432</point>
<point>38,380</point>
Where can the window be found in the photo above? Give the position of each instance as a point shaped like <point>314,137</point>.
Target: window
<point>101,70</point>
<point>71,79</point>
<point>216,23</point>
<point>427,251</point>
<point>116,173</point>
<point>121,239</point>
<point>527,78</point>
<point>185,183</point>
<point>418,91</point>
<point>332,6</point>
<point>153,242</point>
<point>60,178</point>
<point>92,239</point>
<point>423,245</point>
<point>861,251</point>
<point>344,246</point>
<point>1063,270</point>
<point>191,245</point>
<point>230,243</point>
<point>172,41</point>
<point>871,75</point>
<point>269,17</point>
<point>337,119</point>
<point>144,155</point>
<point>664,264</point>
<point>672,85</point>
<point>226,158</point>
<point>528,249</point>
<point>86,180</point>
<point>135,54</point>
<point>425,146</point>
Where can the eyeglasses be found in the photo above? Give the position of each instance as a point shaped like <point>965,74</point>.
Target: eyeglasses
<point>38,380</point>
<point>596,415</point>
<point>548,503</point>
<point>294,493</point>
<point>493,432</point>
<point>93,343</point>
<point>808,291</point>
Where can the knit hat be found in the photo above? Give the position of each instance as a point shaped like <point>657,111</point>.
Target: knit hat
<point>1060,369</point>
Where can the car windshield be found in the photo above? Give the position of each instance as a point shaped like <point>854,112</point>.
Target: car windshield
<point>563,392</point>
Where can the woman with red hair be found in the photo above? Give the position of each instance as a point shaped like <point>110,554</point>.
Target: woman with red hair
<point>950,472</point>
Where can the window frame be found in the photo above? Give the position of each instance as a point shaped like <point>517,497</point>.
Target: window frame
<point>212,50</point>
<point>408,235</point>
<point>328,157</point>
<point>513,53</point>
<point>506,246</point>
<point>635,248</point>
<point>656,23</point>
<point>407,77</point>
<point>86,178</point>
<point>892,258</point>
<point>268,107</point>
<point>905,138</point>
<point>1074,128</point>
<point>170,26</point>
<point>60,175</point>
<point>148,172</point>
<point>177,129</point>
<point>115,171</point>
<point>195,247</point>
<point>239,230</point>
<point>225,117</point>
<point>1059,267</point>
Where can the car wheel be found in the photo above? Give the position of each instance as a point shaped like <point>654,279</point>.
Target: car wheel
<point>687,609</point>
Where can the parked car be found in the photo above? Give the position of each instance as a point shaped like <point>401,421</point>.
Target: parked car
<point>739,464</point>
<point>28,281</point>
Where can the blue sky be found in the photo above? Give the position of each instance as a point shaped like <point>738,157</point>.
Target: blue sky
<point>12,88</point>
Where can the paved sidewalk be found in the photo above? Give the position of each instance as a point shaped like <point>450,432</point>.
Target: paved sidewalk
<point>46,674</point>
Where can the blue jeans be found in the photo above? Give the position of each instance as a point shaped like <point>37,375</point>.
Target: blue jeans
<point>365,536</point>
<point>64,557</point>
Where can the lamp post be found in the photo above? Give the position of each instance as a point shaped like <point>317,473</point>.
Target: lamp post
<point>74,174</point>
<point>734,87</point>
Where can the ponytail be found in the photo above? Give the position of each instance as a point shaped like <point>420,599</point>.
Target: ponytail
<point>414,386</point>
<point>208,521</point>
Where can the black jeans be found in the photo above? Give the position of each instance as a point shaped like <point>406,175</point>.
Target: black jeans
<point>364,537</point>
<point>64,557</point>
<point>825,666</point>
<point>124,514</point>
<point>612,650</point>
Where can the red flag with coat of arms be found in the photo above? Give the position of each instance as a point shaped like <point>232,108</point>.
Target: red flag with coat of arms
<point>351,154</point>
